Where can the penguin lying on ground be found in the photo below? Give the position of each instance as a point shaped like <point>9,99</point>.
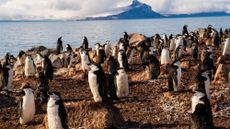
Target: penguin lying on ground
<point>122,83</point>
<point>174,76</point>
<point>30,68</point>
<point>202,117</point>
<point>57,116</point>
<point>26,106</point>
<point>97,83</point>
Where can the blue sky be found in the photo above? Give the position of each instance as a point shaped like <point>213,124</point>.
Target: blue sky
<point>74,9</point>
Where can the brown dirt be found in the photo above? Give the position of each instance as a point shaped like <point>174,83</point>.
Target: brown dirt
<point>148,105</point>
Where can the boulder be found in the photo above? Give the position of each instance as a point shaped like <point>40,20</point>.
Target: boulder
<point>135,39</point>
<point>36,49</point>
<point>90,115</point>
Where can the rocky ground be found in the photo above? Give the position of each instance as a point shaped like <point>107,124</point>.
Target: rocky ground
<point>148,105</point>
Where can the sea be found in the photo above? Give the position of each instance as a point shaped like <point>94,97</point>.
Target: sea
<point>22,35</point>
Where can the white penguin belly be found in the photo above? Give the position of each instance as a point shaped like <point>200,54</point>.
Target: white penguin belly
<point>165,58</point>
<point>29,69</point>
<point>207,83</point>
<point>28,109</point>
<point>54,121</point>
<point>122,85</point>
<point>119,58</point>
<point>84,63</point>
<point>93,84</point>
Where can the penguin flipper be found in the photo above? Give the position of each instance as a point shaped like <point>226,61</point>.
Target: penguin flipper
<point>63,115</point>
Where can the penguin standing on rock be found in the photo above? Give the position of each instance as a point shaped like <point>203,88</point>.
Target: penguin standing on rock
<point>122,83</point>
<point>26,105</point>
<point>97,83</point>
<point>59,47</point>
<point>202,117</point>
<point>101,56</point>
<point>185,30</point>
<point>48,68</point>
<point>68,48</point>
<point>203,82</point>
<point>122,59</point>
<point>57,116</point>
<point>165,56</point>
<point>174,76</point>
<point>85,43</point>
<point>209,64</point>
<point>30,68</point>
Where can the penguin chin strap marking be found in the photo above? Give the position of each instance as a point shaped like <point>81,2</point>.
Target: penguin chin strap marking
<point>196,100</point>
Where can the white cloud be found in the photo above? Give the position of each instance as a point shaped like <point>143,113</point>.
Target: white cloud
<point>72,9</point>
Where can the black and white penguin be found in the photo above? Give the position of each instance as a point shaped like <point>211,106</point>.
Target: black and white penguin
<point>8,75</point>
<point>47,68</point>
<point>174,76</point>
<point>126,40</point>
<point>178,52</point>
<point>107,48</point>
<point>100,54</point>
<point>152,67</point>
<point>57,116</point>
<point>26,105</point>
<point>85,43</point>
<point>59,46</point>
<point>165,56</point>
<point>203,81</point>
<point>112,71</point>
<point>122,59</point>
<point>115,52</point>
<point>30,68</point>
<point>202,117</point>
<point>85,61</point>
<point>209,63</point>
<point>42,88</point>
<point>122,83</point>
<point>2,77</point>
<point>185,30</point>
<point>19,57</point>
<point>195,51</point>
<point>179,41</point>
<point>226,48</point>
<point>70,59</point>
<point>97,83</point>
<point>68,48</point>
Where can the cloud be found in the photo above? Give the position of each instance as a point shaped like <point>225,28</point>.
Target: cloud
<point>73,9</point>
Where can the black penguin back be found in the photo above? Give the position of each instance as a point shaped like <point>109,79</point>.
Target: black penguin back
<point>48,68</point>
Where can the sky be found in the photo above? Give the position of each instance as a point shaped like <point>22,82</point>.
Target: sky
<point>76,9</point>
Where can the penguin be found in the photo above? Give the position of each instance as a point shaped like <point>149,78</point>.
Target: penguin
<point>152,67</point>
<point>38,61</point>
<point>101,56</point>
<point>226,48</point>
<point>84,60</point>
<point>2,77</point>
<point>47,68</point>
<point>208,63</point>
<point>174,76</point>
<point>42,88</point>
<point>115,52</point>
<point>195,51</point>
<point>26,105</point>
<point>112,70</point>
<point>126,40</point>
<point>122,83</point>
<point>185,30</point>
<point>179,41</point>
<point>59,46</point>
<point>107,48</point>
<point>85,43</point>
<point>165,56</point>
<point>57,116</point>
<point>216,40</point>
<point>178,52</point>
<point>68,48</point>
<point>203,81</point>
<point>8,75</point>
<point>19,57</point>
<point>70,59</point>
<point>202,117</point>
<point>30,68</point>
<point>122,59</point>
<point>97,83</point>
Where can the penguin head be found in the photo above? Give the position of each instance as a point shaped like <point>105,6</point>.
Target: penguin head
<point>21,53</point>
<point>176,63</point>
<point>197,99</point>
<point>93,67</point>
<point>54,96</point>
<point>203,75</point>
<point>27,89</point>
<point>97,46</point>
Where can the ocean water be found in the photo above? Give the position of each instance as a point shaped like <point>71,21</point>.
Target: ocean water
<point>16,36</point>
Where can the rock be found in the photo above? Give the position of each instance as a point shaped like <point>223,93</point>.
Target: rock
<point>184,64</point>
<point>90,115</point>
<point>61,72</point>
<point>57,60</point>
<point>36,49</point>
<point>135,39</point>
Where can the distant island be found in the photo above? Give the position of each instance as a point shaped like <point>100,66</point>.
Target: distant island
<point>139,10</point>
